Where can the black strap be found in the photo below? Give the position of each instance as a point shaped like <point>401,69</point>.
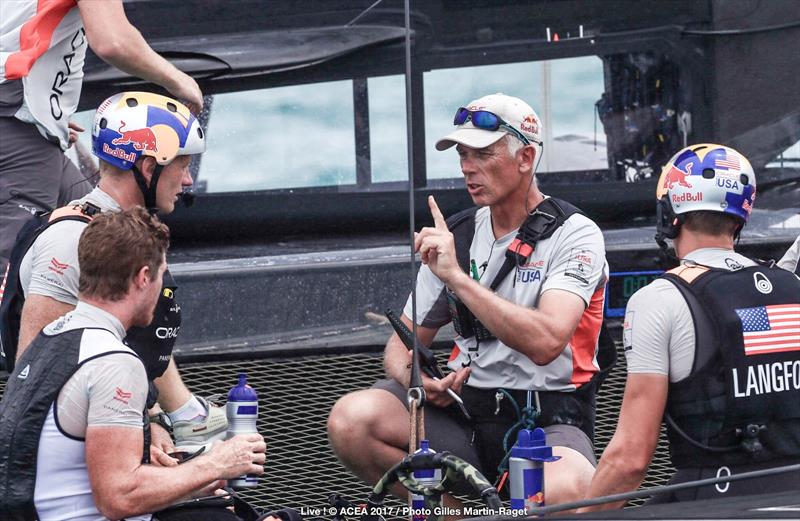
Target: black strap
<point>540,224</point>
<point>462,226</point>
<point>148,192</point>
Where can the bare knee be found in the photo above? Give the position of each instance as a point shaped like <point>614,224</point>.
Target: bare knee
<point>567,479</point>
<point>360,416</point>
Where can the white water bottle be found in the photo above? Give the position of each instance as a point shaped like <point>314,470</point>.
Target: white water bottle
<point>242,413</point>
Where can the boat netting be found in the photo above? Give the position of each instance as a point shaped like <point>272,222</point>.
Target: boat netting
<point>295,396</point>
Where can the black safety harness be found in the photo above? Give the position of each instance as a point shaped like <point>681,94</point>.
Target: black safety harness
<point>12,297</point>
<point>740,404</point>
<point>540,224</point>
<point>31,391</point>
<point>525,409</point>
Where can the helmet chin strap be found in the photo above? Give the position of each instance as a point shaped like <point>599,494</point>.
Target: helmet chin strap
<point>149,192</point>
<point>668,225</point>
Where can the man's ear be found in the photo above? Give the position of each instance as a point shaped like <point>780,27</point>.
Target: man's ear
<point>143,277</point>
<point>527,158</point>
<point>147,166</point>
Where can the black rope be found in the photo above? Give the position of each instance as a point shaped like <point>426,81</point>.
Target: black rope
<point>415,383</point>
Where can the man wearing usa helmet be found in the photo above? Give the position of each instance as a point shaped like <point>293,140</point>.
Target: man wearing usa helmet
<point>145,143</point>
<point>713,346</point>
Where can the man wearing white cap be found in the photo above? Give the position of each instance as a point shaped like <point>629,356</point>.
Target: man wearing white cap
<point>522,278</point>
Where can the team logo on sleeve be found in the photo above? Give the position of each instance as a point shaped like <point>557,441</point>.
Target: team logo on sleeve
<point>627,332</point>
<point>580,265</point>
<point>57,267</point>
<point>122,396</point>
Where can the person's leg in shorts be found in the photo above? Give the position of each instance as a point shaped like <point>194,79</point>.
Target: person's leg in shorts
<point>369,431</point>
<point>35,175</point>
<point>568,479</point>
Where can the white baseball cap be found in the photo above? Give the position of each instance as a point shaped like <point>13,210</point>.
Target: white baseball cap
<point>513,111</point>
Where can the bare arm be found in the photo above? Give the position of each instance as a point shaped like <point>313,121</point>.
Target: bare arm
<point>37,312</point>
<point>624,462</point>
<point>122,486</point>
<point>541,334</point>
<point>116,41</point>
<point>397,363</point>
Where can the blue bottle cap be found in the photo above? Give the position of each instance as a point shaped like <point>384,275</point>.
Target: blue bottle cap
<point>242,392</point>
<point>531,445</point>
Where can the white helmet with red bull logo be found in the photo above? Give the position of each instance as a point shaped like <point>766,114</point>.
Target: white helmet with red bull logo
<point>704,177</point>
<point>130,125</point>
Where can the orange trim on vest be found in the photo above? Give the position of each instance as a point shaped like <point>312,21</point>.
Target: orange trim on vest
<point>36,35</point>
<point>688,273</point>
<point>584,340</point>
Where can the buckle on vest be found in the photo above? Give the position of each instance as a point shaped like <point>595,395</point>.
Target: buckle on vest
<point>90,210</point>
<point>520,248</point>
<point>750,437</point>
<point>541,225</point>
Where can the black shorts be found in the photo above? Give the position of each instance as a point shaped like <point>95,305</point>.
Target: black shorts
<point>481,444</point>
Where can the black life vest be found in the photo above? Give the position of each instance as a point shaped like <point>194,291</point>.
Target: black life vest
<point>11,297</point>
<point>571,408</point>
<point>741,402</point>
<point>32,387</point>
<point>153,343</point>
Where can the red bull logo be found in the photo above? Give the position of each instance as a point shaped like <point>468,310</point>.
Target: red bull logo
<point>119,153</point>
<point>141,139</point>
<point>688,198</point>
<point>676,175</point>
<point>529,124</point>
<point>537,499</point>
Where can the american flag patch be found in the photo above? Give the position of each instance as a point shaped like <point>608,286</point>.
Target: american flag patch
<point>770,329</point>
<point>729,162</point>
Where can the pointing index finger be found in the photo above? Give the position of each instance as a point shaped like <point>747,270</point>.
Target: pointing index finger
<point>438,219</point>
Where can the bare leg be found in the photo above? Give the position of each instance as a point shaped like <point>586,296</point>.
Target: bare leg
<point>368,431</point>
<point>172,392</point>
<point>567,479</point>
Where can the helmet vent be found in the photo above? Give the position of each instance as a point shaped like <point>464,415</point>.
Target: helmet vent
<point>131,102</point>
<point>700,147</point>
<point>103,122</point>
<point>172,107</point>
<point>200,132</point>
<point>708,173</point>
<point>745,179</point>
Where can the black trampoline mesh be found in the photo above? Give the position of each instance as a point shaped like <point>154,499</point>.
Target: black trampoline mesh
<point>295,396</point>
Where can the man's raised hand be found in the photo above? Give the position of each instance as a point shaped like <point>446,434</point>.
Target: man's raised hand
<point>436,246</point>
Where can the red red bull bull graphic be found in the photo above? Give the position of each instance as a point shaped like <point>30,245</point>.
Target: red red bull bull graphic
<point>141,139</point>
<point>676,175</point>
<point>529,124</point>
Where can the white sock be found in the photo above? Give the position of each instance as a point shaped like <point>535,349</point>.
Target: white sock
<point>189,411</point>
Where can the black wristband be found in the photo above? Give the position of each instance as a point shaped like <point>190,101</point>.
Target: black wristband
<point>162,419</point>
